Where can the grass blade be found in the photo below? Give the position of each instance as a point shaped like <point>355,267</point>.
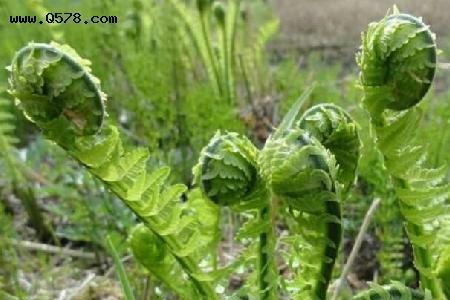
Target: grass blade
<point>125,283</point>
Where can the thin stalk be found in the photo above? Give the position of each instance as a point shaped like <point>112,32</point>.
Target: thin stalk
<point>334,234</point>
<point>226,62</point>
<point>147,289</point>
<point>267,278</point>
<point>200,38</point>
<point>359,239</point>
<point>248,88</point>
<point>209,49</point>
<point>230,32</point>
<point>422,256</point>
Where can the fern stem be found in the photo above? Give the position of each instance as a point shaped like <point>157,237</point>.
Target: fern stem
<point>210,54</point>
<point>334,235</point>
<point>422,256</point>
<point>186,262</point>
<point>232,46</point>
<point>267,278</point>
<point>423,259</point>
<point>226,62</point>
<point>246,80</point>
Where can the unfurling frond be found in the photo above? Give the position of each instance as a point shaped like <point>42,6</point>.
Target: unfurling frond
<point>227,170</point>
<point>55,89</point>
<point>300,163</point>
<point>335,129</point>
<point>300,170</point>
<point>397,61</point>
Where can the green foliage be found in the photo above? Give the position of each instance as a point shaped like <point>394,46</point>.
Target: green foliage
<point>16,171</point>
<point>124,172</point>
<point>220,64</point>
<point>151,251</point>
<point>165,100</point>
<point>9,280</point>
<point>422,198</point>
<point>229,160</point>
<point>443,270</point>
<point>7,137</point>
<point>121,273</point>
<point>395,291</point>
<point>304,172</point>
<point>289,82</point>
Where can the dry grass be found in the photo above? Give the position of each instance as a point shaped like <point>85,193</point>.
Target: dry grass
<point>315,24</point>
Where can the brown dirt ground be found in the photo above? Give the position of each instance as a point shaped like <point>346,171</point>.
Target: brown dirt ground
<point>308,25</point>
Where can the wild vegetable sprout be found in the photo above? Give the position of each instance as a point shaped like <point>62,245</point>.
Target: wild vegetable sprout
<point>398,62</point>
<point>305,168</point>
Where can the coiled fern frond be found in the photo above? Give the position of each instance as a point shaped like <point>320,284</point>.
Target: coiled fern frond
<point>297,164</point>
<point>300,166</point>
<point>303,173</point>
<point>56,90</point>
<point>229,174</point>
<point>55,87</point>
<point>398,62</point>
<point>336,130</point>
<point>227,171</point>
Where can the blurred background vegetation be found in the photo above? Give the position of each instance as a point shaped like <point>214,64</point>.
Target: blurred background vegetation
<point>164,93</point>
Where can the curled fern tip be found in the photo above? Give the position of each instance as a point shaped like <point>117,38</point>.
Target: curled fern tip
<point>56,90</point>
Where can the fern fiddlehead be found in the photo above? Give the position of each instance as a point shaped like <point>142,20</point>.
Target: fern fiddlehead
<point>301,165</point>
<point>227,171</point>
<point>229,175</point>
<point>303,173</point>
<point>306,163</point>
<point>52,92</point>
<point>56,90</point>
<point>336,130</point>
<point>398,62</point>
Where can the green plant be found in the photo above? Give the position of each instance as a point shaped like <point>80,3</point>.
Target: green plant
<point>15,170</point>
<point>9,277</point>
<point>220,62</point>
<point>55,89</point>
<point>398,62</point>
<point>300,163</point>
<point>303,173</point>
